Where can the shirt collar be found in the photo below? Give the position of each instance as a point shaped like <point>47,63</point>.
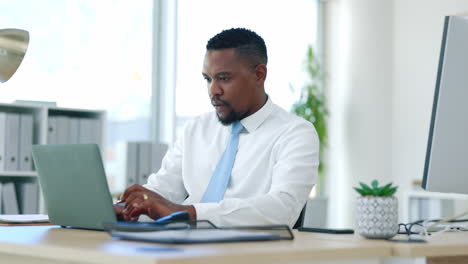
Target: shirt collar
<point>253,121</point>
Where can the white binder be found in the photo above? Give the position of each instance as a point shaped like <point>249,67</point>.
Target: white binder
<point>12,141</point>
<point>85,131</point>
<point>28,196</point>
<point>26,140</point>
<point>74,130</point>
<point>62,129</point>
<point>144,162</point>
<point>132,163</point>
<point>158,152</point>
<point>97,132</point>
<point>90,131</point>
<point>9,200</point>
<point>52,130</point>
<point>2,140</point>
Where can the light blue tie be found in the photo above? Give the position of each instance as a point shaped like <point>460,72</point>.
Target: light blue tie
<point>220,179</point>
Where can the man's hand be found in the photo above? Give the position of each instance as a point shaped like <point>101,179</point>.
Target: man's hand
<point>118,208</point>
<point>139,200</point>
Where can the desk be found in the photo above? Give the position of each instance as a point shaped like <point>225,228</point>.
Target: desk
<point>52,244</point>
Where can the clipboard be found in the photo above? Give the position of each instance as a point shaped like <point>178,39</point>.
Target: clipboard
<point>195,231</point>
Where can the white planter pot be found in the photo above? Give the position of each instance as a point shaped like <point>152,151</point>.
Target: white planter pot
<point>377,217</point>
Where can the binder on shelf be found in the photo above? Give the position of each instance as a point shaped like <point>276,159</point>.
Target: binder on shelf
<point>28,196</point>
<point>9,199</point>
<point>96,128</point>
<point>144,161</point>
<point>25,143</point>
<point>143,158</point>
<point>158,152</point>
<point>62,129</point>
<point>52,130</point>
<point>131,161</point>
<point>74,129</point>
<point>20,127</point>
<point>12,144</point>
<point>86,133</point>
<point>2,140</point>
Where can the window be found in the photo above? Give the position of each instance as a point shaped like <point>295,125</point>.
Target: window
<point>287,28</point>
<point>88,54</point>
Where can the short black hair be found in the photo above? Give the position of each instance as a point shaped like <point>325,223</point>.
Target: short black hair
<point>247,43</point>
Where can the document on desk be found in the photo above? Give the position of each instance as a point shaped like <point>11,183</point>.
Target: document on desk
<point>195,231</point>
<point>24,219</point>
<point>196,236</point>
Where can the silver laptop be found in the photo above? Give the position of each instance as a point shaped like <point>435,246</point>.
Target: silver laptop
<point>74,185</point>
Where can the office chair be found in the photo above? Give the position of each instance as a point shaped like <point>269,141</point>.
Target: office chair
<point>300,219</point>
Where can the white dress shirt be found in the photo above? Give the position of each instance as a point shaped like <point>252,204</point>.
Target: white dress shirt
<point>274,170</point>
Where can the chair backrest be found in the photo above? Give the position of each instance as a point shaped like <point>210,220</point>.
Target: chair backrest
<point>300,219</point>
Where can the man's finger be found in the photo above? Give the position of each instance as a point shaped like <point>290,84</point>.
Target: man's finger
<point>118,211</point>
<point>134,197</point>
<point>130,190</point>
<point>138,209</point>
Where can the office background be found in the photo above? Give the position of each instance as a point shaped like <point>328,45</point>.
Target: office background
<point>382,61</point>
<point>141,63</point>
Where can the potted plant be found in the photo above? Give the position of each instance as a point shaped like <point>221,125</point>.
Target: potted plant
<point>377,210</point>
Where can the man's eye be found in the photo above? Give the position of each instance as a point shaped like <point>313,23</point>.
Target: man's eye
<point>207,79</point>
<point>224,78</point>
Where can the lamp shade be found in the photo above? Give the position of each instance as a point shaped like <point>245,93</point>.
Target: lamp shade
<point>13,46</point>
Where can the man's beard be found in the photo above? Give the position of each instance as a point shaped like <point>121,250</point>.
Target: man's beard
<point>229,119</point>
<point>232,117</point>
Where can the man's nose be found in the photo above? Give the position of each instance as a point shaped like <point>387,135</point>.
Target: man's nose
<point>214,88</point>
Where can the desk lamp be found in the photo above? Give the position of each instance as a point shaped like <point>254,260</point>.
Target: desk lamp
<point>13,45</point>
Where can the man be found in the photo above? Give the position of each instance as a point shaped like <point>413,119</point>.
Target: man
<point>248,163</point>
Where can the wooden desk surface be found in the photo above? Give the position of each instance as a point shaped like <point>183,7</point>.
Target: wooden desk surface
<point>57,245</point>
<point>52,244</point>
<point>446,244</point>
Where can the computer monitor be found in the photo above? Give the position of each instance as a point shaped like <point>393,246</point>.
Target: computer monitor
<point>446,166</point>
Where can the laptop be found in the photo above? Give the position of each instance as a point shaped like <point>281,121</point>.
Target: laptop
<point>74,185</point>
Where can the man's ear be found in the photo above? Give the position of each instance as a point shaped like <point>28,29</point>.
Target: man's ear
<point>261,74</point>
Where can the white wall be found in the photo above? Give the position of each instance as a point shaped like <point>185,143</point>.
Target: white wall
<point>360,79</point>
<point>416,44</point>
<point>381,57</point>
<point>418,27</point>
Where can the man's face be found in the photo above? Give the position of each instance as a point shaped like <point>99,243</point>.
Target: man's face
<point>231,83</point>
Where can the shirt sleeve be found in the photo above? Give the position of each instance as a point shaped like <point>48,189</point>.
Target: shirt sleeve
<point>168,180</point>
<point>294,174</point>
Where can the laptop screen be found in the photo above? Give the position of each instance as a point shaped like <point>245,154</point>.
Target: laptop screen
<point>74,185</point>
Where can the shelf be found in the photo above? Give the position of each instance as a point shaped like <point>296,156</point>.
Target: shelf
<point>50,124</point>
<point>18,174</point>
<point>437,195</point>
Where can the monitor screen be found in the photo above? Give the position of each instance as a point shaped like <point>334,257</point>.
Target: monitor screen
<point>446,165</point>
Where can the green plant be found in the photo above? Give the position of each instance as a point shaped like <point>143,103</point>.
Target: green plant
<point>312,105</point>
<point>375,190</point>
